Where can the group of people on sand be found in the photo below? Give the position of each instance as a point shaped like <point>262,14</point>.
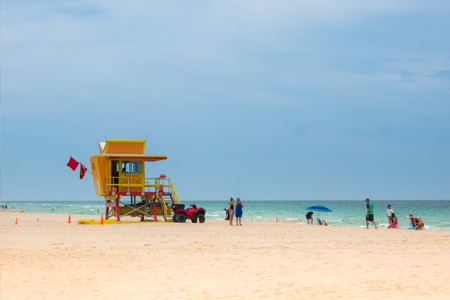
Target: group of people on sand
<point>310,220</point>
<point>13,209</point>
<point>230,213</point>
<point>392,219</point>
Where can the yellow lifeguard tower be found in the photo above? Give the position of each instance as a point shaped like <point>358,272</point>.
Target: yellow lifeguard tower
<point>119,170</point>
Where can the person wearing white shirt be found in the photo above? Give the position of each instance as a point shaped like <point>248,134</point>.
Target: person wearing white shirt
<point>389,213</point>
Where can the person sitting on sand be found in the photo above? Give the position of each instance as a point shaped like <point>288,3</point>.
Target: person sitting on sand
<point>389,213</point>
<point>239,207</point>
<point>227,214</point>
<point>394,221</point>
<point>309,217</point>
<point>231,209</point>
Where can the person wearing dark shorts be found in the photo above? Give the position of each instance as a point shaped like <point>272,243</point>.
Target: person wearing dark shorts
<point>369,214</point>
<point>309,217</point>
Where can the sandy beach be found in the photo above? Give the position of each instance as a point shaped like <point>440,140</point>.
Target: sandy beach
<point>50,259</point>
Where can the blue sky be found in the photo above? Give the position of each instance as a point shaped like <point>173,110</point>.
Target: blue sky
<point>263,100</point>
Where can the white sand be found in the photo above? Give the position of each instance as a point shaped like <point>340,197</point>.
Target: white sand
<point>50,259</point>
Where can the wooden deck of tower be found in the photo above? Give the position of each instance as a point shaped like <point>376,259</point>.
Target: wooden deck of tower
<point>119,172</point>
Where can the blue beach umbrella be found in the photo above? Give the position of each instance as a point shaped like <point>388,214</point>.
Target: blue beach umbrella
<point>319,208</point>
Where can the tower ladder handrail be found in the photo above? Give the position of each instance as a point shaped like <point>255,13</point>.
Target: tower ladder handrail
<point>174,192</point>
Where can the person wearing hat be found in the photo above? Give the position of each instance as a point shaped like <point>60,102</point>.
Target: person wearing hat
<point>369,214</point>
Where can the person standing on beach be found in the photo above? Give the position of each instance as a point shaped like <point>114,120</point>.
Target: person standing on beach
<point>231,208</point>
<point>239,207</point>
<point>369,214</point>
<point>389,214</point>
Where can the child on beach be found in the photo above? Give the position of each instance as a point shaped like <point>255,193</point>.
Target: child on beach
<point>231,209</point>
<point>239,207</point>
<point>227,214</point>
<point>394,222</point>
<point>389,213</point>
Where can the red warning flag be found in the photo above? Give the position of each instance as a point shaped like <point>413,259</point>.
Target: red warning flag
<point>73,164</point>
<point>83,170</point>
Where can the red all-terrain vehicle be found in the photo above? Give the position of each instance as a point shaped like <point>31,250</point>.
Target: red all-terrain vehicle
<point>193,213</point>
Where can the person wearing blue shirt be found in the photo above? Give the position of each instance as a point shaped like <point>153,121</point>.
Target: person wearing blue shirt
<point>239,207</point>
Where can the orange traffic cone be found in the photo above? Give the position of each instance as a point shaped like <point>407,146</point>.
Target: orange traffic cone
<point>68,222</point>
<point>101,220</point>
<point>16,222</point>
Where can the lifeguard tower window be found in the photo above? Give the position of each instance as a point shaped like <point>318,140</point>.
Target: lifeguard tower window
<point>133,167</point>
<point>125,167</point>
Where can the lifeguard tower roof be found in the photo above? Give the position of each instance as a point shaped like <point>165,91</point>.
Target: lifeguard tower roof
<point>126,149</point>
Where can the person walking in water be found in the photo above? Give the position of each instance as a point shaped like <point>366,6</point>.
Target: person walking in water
<point>239,207</point>
<point>369,214</point>
<point>231,208</point>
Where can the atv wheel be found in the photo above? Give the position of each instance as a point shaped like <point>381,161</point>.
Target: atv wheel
<point>174,218</point>
<point>201,218</point>
<point>181,218</point>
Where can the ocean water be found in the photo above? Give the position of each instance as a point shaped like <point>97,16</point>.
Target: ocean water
<point>345,213</point>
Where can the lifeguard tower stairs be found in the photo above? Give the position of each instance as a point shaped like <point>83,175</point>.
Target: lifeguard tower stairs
<point>119,172</point>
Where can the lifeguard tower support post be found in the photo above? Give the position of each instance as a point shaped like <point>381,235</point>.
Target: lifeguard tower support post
<point>119,170</point>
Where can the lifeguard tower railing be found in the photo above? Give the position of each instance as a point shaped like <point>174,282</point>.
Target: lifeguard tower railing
<point>149,186</point>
